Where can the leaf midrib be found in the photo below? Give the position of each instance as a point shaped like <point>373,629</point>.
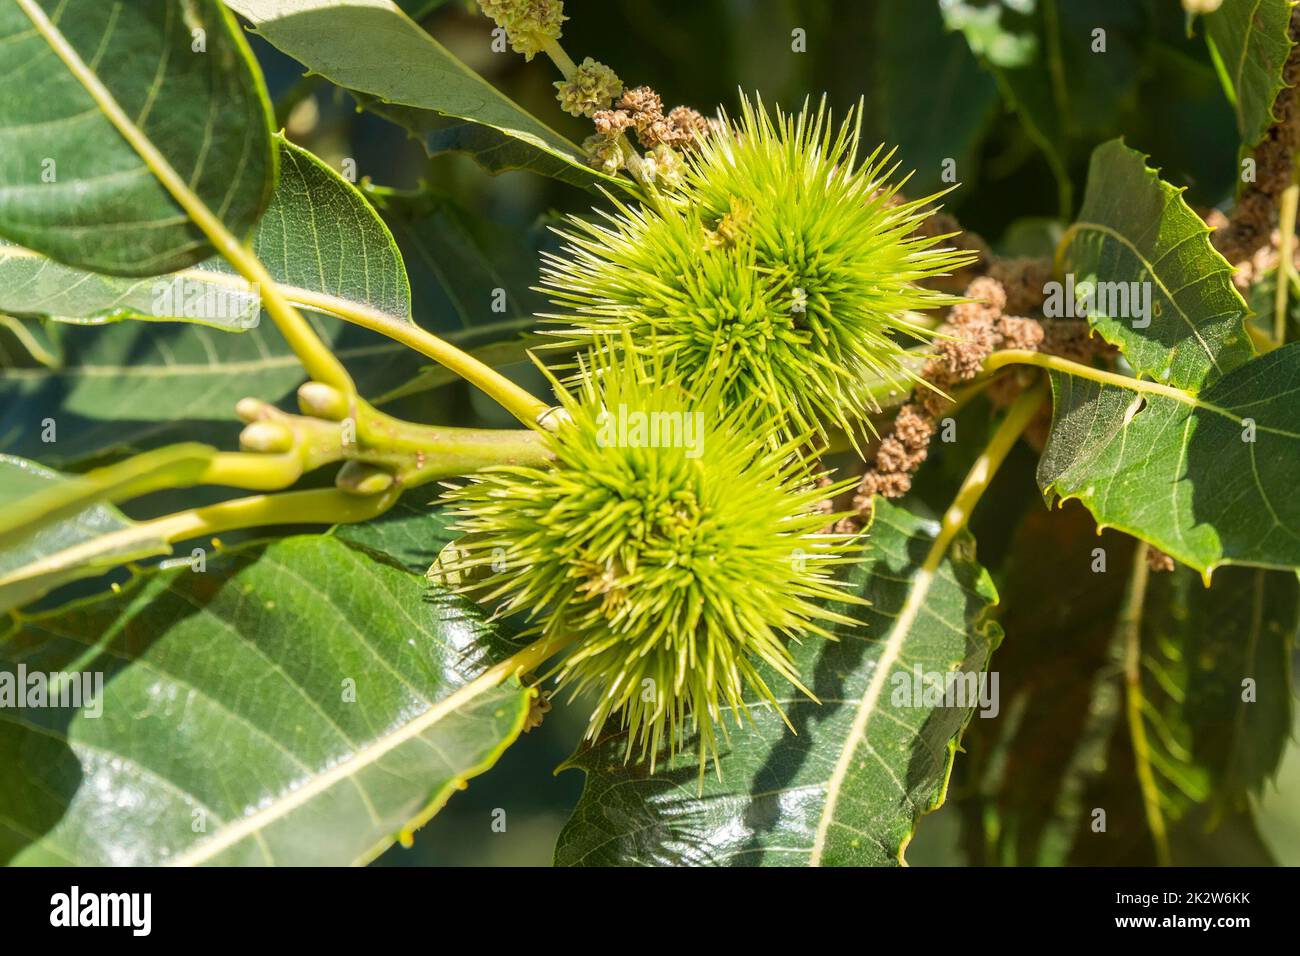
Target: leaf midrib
<point>867,708</point>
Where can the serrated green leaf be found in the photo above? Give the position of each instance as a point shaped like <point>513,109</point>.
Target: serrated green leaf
<point>780,788</point>
<point>72,186</point>
<point>1136,236</point>
<point>1251,40</point>
<point>375,50</point>
<point>299,703</point>
<point>1206,478</point>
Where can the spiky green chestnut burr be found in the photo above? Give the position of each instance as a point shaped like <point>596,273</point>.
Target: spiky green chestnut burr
<point>780,265</point>
<point>671,539</point>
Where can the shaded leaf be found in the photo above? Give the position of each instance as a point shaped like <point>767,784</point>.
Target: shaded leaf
<point>1023,779</point>
<point>1213,740</point>
<point>1278,807</point>
<point>412,532</point>
<point>25,344</point>
<point>1045,56</point>
<point>468,271</point>
<point>930,98</point>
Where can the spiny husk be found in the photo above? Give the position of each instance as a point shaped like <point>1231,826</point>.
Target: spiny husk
<point>682,570</point>
<point>782,266</point>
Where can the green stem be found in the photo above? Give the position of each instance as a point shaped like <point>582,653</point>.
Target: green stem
<point>978,479</point>
<point>494,355</point>
<point>318,506</point>
<point>1128,631</point>
<point>518,401</point>
<point>563,62</point>
<point>1057,364</point>
<point>319,361</point>
<point>1286,257</point>
<point>419,454</point>
<point>322,506</point>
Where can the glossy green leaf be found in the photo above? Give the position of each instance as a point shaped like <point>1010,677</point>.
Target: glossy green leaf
<point>1251,41</point>
<point>300,703</point>
<point>1162,292</point>
<point>72,186</point>
<point>1206,479</point>
<point>375,50</point>
<point>780,788</point>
